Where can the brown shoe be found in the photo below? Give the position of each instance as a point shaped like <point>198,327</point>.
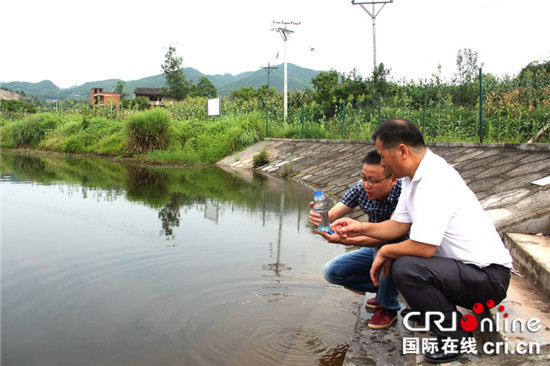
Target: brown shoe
<point>382,318</point>
<point>372,303</point>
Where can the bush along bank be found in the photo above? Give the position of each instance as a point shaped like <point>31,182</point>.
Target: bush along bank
<point>151,135</point>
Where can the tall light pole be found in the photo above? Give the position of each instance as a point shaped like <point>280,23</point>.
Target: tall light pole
<point>284,32</point>
<point>373,14</point>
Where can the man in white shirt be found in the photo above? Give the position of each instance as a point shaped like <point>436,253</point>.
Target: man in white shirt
<point>454,255</point>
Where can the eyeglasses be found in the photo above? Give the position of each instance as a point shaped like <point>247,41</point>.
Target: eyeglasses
<point>372,183</point>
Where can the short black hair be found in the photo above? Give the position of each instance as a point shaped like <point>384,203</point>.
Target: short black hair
<point>395,131</point>
<point>372,157</point>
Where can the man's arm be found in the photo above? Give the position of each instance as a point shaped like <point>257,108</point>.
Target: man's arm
<point>389,252</point>
<point>385,230</point>
<point>408,247</point>
<point>358,241</point>
<point>335,213</point>
<point>339,210</point>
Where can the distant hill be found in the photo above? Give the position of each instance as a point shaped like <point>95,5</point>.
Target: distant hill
<point>4,94</point>
<point>44,89</point>
<point>298,78</point>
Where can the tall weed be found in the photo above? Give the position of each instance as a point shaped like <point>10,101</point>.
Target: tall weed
<point>148,130</point>
<point>32,129</point>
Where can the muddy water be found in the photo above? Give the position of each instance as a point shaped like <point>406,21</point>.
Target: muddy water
<point>113,264</point>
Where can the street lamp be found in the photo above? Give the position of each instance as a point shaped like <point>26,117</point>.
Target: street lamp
<point>281,27</point>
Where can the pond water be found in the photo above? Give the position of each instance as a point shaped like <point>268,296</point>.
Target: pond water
<point>106,263</point>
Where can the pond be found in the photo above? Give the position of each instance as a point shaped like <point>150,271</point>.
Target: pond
<point>107,263</point>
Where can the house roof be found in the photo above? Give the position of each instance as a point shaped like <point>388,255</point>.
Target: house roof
<point>147,91</point>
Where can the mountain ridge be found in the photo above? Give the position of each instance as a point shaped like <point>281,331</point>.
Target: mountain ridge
<point>298,78</point>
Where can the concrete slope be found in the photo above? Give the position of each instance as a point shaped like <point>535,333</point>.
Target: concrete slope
<point>508,179</point>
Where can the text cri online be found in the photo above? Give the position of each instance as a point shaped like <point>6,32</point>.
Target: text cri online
<point>502,348</point>
<point>468,345</point>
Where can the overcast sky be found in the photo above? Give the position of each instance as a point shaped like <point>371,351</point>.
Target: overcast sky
<point>72,41</point>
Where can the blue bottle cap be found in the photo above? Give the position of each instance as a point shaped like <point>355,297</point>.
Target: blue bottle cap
<point>318,193</point>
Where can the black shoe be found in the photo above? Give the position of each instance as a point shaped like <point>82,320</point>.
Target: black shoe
<point>441,357</point>
<point>413,318</point>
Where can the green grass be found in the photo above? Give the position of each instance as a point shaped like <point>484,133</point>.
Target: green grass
<point>32,129</point>
<point>151,135</point>
<point>183,134</point>
<point>148,130</point>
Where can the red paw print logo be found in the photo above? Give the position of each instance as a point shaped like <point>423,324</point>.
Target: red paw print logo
<point>469,322</point>
<point>478,308</point>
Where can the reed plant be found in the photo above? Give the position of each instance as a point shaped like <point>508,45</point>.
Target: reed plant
<point>32,129</point>
<point>148,130</point>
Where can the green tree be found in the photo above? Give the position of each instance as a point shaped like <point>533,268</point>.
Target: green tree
<point>380,79</point>
<point>178,85</point>
<point>12,105</point>
<point>119,89</point>
<point>467,71</point>
<point>351,86</point>
<point>325,84</point>
<point>243,93</point>
<point>204,88</point>
<point>536,74</point>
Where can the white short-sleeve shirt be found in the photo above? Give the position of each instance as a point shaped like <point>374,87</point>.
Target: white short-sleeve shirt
<point>443,211</point>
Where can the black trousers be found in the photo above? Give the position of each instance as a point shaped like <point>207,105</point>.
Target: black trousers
<point>440,284</point>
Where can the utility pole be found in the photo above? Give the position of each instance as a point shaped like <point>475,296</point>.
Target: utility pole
<point>373,14</point>
<point>285,33</point>
<point>268,68</point>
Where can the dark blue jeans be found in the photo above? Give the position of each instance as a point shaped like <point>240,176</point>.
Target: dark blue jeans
<point>352,270</point>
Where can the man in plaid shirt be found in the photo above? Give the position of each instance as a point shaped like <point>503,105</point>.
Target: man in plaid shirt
<point>376,194</point>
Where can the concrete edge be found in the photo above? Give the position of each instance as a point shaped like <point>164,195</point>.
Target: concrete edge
<point>525,147</point>
<point>531,254</point>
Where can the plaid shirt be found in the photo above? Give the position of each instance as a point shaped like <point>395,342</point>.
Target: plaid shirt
<point>376,210</point>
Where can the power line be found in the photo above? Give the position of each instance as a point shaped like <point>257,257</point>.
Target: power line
<point>268,68</point>
<point>373,14</point>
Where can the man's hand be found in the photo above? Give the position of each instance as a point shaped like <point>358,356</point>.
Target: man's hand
<point>314,217</point>
<point>346,228</point>
<point>331,238</point>
<point>380,262</point>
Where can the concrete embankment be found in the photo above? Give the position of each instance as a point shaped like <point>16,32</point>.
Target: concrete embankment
<point>508,179</point>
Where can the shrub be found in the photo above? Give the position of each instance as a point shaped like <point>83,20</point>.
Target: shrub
<point>31,130</point>
<point>139,103</point>
<point>148,130</point>
<point>10,105</point>
<point>288,171</point>
<point>260,159</point>
<point>74,144</point>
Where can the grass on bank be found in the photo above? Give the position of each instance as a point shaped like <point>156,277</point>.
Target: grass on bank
<point>182,133</point>
<point>150,135</point>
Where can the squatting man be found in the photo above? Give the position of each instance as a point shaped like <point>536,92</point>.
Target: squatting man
<point>453,256</point>
<point>376,194</point>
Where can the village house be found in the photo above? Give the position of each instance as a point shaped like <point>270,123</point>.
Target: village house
<point>153,95</point>
<point>99,97</point>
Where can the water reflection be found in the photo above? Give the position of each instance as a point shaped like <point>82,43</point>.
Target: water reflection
<point>120,264</point>
<point>167,189</point>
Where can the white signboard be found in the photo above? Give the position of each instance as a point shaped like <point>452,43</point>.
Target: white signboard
<point>214,107</point>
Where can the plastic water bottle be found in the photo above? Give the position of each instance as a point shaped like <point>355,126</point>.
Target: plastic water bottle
<point>320,206</point>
